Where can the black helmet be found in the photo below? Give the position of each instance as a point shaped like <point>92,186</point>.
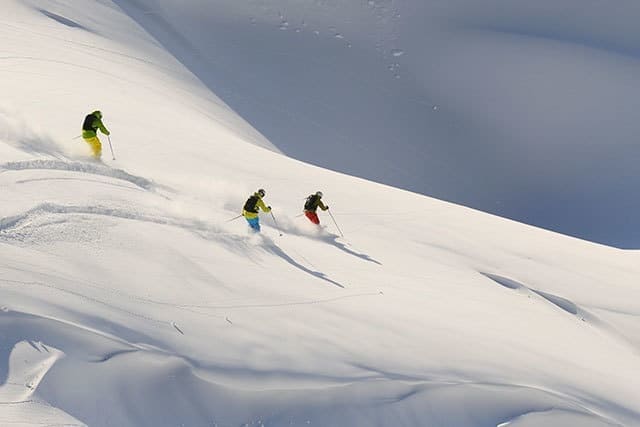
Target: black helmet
<point>261,192</point>
<point>319,193</point>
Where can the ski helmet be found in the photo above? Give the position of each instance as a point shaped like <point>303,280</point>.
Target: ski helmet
<point>261,192</point>
<point>97,113</point>
<point>319,193</point>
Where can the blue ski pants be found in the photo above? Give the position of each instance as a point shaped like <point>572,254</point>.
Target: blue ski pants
<point>254,223</point>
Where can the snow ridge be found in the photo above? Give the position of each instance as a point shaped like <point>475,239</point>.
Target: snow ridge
<point>87,168</point>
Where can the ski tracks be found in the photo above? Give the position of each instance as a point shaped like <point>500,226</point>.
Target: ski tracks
<point>85,168</point>
<point>14,222</point>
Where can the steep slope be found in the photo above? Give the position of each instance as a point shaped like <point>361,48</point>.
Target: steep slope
<point>129,298</point>
<point>527,111</point>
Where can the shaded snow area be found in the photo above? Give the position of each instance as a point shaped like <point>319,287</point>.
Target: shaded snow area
<point>525,110</point>
<point>130,296</point>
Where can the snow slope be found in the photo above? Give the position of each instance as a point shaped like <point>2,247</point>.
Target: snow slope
<point>528,111</point>
<point>128,298</point>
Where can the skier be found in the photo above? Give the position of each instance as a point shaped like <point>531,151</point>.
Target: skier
<point>91,124</point>
<point>250,209</point>
<point>312,204</point>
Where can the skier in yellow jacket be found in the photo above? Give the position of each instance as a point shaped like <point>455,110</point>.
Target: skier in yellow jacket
<point>250,209</point>
<point>90,127</point>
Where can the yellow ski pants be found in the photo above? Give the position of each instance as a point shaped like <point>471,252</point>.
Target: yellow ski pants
<point>95,145</point>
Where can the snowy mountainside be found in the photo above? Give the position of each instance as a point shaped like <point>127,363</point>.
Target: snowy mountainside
<point>525,110</point>
<point>130,297</point>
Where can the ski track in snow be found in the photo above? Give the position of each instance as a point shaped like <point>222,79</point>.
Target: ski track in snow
<point>12,222</point>
<point>86,168</point>
<point>9,226</point>
<point>128,187</point>
<point>191,308</point>
<point>84,297</point>
<point>218,305</point>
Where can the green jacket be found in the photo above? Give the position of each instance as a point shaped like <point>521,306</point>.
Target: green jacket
<point>91,124</point>
<point>314,202</point>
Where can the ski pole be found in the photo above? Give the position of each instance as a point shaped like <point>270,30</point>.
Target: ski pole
<point>234,218</point>
<point>334,221</point>
<point>276,223</point>
<point>111,147</point>
<point>76,137</point>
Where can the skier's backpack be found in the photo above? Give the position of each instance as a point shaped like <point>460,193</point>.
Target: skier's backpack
<point>88,122</point>
<point>250,204</point>
<point>312,203</point>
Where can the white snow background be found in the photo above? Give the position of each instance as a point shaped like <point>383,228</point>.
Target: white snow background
<point>128,298</point>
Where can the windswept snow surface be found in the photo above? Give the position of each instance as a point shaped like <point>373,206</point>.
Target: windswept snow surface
<point>528,110</point>
<point>129,298</point>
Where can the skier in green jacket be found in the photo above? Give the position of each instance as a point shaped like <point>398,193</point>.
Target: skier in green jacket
<point>311,206</point>
<point>93,122</point>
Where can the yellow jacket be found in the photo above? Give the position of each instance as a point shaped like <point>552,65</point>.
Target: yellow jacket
<point>259,204</point>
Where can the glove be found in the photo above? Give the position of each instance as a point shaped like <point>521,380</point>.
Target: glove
<point>268,208</point>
